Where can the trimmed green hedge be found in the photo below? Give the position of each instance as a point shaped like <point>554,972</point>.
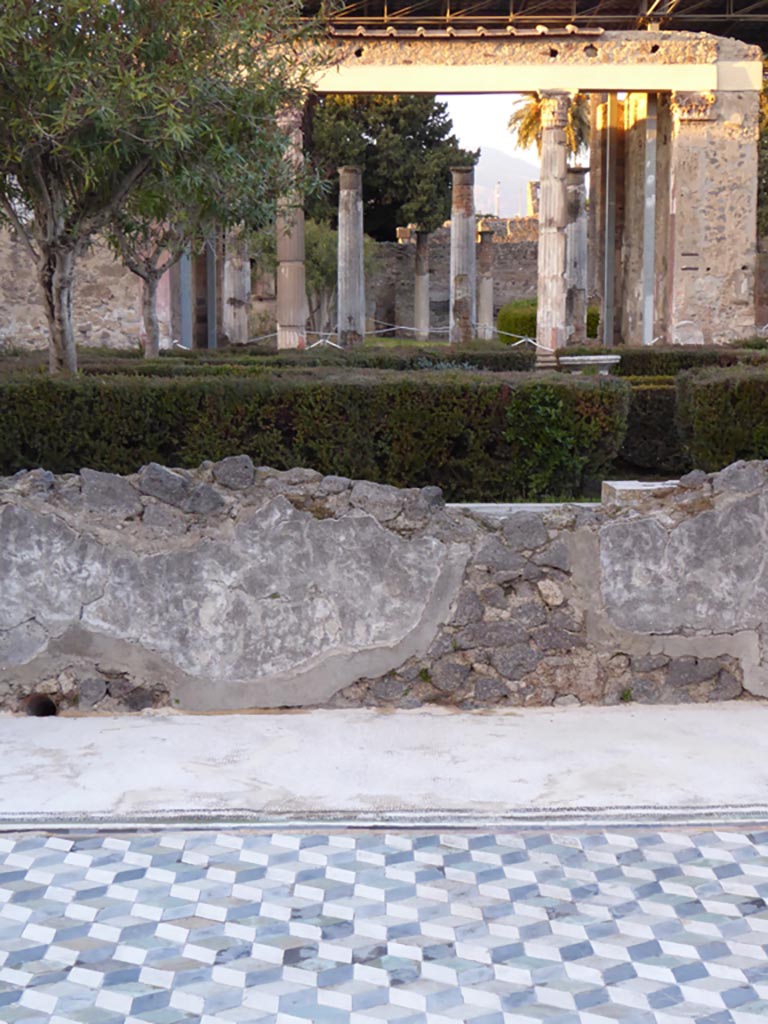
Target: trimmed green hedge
<point>519,317</point>
<point>480,437</point>
<point>652,441</point>
<point>723,415</point>
<point>668,361</point>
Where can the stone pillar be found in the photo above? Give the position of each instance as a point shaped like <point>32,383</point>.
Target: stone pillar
<point>595,230</point>
<point>553,222</point>
<point>712,245</point>
<point>421,287</point>
<point>351,278</point>
<point>462,285</point>
<point>485,252</point>
<point>576,248</point>
<point>236,286</point>
<point>292,306</point>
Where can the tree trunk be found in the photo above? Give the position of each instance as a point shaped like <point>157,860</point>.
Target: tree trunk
<point>56,276</point>
<point>149,316</point>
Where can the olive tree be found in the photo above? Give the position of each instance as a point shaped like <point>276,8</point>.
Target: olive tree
<point>98,97</point>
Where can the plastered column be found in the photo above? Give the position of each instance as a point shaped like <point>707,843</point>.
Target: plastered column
<point>292,307</point>
<point>712,217</point>
<point>421,286</point>
<point>236,286</point>
<point>351,279</point>
<point>463,274</point>
<point>485,324</point>
<point>576,246</point>
<point>551,329</point>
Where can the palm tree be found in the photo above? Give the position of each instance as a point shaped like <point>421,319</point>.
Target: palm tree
<point>525,123</point>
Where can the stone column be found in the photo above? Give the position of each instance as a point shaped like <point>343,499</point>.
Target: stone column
<point>595,229</point>
<point>236,286</point>
<point>292,306</point>
<point>351,279</point>
<point>421,287</point>
<point>485,251</point>
<point>462,287</point>
<point>551,331</point>
<point>576,247</point>
<point>711,236</point>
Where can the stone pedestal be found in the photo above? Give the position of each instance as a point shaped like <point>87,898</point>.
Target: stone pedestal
<point>421,287</point>
<point>351,278</point>
<point>463,274</point>
<point>576,249</point>
<point>551,333</point>
<point>292,307</point>
<point>485,319</point>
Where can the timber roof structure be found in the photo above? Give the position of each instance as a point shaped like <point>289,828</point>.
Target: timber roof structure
<point>740,19</point>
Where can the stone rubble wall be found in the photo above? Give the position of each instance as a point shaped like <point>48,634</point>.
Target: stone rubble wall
<point>231,587</point>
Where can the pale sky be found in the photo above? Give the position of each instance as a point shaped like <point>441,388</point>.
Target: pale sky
<point>482,121</point>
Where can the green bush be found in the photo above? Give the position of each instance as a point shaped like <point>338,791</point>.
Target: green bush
<point>723,415</point>
<point>493,437</point>
<point>519,318</point>
<point>652,441</point>
<point>662,362</point>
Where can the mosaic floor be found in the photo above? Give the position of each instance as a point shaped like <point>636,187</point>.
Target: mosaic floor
<point>365,928</point>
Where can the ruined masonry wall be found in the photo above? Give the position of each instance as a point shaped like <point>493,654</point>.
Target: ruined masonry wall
<point>106,305</point>
<point>230,587</point>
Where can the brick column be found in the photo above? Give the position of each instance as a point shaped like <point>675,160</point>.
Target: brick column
<point>462,288</point>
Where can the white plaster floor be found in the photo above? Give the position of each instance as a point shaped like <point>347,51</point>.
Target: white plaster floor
<point>627,764</point>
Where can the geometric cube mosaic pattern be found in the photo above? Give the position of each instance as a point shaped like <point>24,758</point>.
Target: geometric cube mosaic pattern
<point>573,927</point>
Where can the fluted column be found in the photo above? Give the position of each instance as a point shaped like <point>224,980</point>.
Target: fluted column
<point>292,306</point>
<point>485,327</point>
<point>236,286</point>
<point>421,286</point>
<point>462,290</point>
<point>551,331</point>
<point>351,279</point>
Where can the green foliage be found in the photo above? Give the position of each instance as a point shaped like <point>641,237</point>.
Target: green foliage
<point>519,317</point>
<point>321,255</point>
<point>404,147</point>
<point>656,361</point>
<point>98,99</point>
<point>723,415</point>
<point>652,441</point>
<point>562,431</point>
<point>525,123</point>
<point>478,436</point>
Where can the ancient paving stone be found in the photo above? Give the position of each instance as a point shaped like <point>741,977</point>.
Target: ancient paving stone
<point>555,556</point>
<point>686,671</point>
<point>235,472</point>
<point>106,492</point>
<point>202,500</point>
<point>498,557</point>
<point>524,531</point>
<point>631,925</point>
<point>90,691</point>
<point>447,675</point>
<point>490,635</point>
<point>514,662</point>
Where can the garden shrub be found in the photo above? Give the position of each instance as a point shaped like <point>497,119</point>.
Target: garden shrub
<point>723,415</point>
<point>493,437</point>
<point>652,441</point>
<point>519,317</point>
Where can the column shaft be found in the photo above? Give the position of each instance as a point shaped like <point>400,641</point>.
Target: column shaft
<point>553,222</point>
<point>463,274</point>
<point>236,286</point>
<point>292,306</point>
<point>421,286</point>
<point>576,245</point>
<point>485,252</point>
<point>351,278</point>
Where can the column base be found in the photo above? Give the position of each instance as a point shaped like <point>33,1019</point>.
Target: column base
<point>546,359</point>
<point>291,337</point>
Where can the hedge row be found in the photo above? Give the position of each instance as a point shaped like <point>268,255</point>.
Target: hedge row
<point>478,436</point>
<point>652,441</point>
<point>722,415</point>
<point>668,361</point>
<point>519,318</point>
